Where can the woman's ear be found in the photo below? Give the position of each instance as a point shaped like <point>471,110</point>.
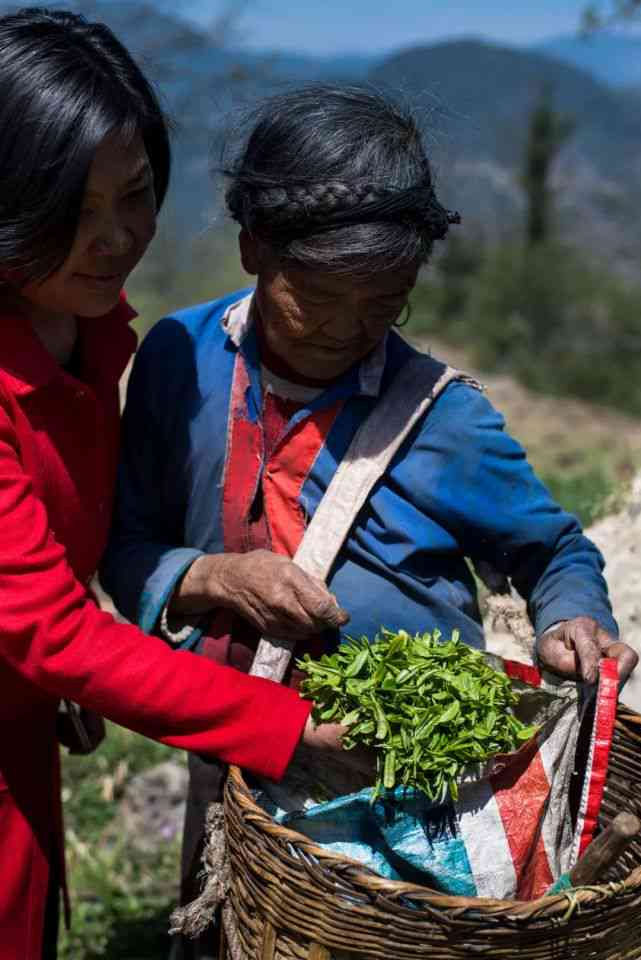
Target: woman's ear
<point>249,252</point>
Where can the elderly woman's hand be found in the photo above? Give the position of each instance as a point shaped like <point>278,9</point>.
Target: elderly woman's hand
<point>575,647</point>
<point>268,590</point>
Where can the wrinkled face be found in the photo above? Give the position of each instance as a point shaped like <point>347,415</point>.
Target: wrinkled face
<point>116,225</point>
<point>320,324</point>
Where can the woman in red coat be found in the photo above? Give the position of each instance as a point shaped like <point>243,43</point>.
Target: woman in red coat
<point>84,165</point>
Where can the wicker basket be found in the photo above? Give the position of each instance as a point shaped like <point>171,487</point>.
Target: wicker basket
<point>289,898</point>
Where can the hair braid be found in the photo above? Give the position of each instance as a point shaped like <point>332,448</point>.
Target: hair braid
<point>338,178</point>
<point>292,201</point>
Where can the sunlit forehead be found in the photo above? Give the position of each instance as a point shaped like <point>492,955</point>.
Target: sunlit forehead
<point>389,284</point>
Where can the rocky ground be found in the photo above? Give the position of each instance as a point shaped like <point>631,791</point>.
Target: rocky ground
<point>619,539</point>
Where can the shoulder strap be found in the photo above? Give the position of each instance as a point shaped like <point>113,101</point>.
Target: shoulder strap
<point>372,449</point>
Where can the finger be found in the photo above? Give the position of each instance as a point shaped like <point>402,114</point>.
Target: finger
<point>625,655</point>
<point>325,736</point>
<point>626,658</point>
<point>604,639</point>
<point>329,614</point>
<point>345,616</point>
<point>320,604</point>
<point>584,634</point>
<point>291,626</point>
<point>297,620</point>
<point>557,654</point>
<point>287,621</point>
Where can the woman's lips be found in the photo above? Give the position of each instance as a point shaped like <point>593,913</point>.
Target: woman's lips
<point>100,281</point>
<point>337,348</point>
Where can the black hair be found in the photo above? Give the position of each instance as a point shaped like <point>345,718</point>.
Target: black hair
<point>65,84</point>
<point>337,178</point>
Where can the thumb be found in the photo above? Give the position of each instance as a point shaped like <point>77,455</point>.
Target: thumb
<point>323,605</point>
<point>332,614</point>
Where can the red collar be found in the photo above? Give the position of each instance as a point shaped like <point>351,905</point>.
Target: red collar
<point>106,344</point>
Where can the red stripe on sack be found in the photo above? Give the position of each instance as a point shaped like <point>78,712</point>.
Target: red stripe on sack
<point>604,719</point>
<point>286,472</point>
<point>524,672</point>
<point>242,464</point>
<point>521,791</point>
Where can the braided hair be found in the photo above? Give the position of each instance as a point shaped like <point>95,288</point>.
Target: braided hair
<point>337,179</point>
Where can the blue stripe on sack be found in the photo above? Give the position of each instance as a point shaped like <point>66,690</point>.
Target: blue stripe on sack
<point>424,837</point>
<point>401,836</point>
<point>345,826</point>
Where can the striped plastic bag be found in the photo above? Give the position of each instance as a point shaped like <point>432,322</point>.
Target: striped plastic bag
<point>516,827</point>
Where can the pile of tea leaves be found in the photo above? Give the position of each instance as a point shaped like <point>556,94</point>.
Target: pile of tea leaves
<point>430,708</point>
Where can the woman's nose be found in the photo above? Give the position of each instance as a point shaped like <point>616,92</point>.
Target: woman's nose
<point>344,322</point>
<point>113,238</point>
<point>359,322</point>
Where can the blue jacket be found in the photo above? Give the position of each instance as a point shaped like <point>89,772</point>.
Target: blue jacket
<point>458,487</point>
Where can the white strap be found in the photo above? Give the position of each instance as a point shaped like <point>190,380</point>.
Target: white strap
<point>371,451</point>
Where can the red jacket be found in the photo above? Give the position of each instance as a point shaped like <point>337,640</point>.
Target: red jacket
<point>58,444</point>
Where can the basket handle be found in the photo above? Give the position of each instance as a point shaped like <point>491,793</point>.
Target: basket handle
<point>414,389</point>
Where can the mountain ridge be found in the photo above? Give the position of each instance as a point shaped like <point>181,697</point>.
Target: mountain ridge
<point>474,99</point>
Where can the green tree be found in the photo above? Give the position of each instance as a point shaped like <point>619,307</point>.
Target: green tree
<point>457,266</point>
<point>548,131</point>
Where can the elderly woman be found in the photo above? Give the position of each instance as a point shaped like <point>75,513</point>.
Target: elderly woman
<point>240,410</point>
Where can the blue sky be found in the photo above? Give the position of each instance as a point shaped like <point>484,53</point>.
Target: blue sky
<point>371,26</point>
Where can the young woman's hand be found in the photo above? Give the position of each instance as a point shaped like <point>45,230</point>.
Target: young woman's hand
<point>575,647</point>
<point>268,590</point>
<point>328,738</point>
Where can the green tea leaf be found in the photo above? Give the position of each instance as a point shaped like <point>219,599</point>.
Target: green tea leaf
<point>350,718</point>
<point>429,708</point>
<point>357,664</point>
<point>389,770</point>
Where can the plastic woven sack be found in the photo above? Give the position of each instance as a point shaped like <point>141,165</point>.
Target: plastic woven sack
<point>517,826</point>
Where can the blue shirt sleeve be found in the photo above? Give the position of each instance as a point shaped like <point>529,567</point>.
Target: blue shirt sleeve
<point>142,564</point>
<point>475,481</point>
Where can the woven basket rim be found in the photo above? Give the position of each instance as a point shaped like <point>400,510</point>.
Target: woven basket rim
<point>546,905</point>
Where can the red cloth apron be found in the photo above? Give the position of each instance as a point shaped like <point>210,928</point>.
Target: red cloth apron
<point>261,509</point>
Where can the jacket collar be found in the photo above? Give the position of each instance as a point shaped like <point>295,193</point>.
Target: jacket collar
<point>106,344</point>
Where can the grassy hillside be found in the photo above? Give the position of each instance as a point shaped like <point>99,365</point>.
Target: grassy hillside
<point>121,899</point>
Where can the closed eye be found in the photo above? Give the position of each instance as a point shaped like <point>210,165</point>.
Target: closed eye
<point>389,303</point>
<point>138,192</point>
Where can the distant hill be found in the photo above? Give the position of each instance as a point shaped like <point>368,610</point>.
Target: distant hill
<point>481,94</point>
<point>475,99</point>
<point>614,58</point>
<point>206,87</point>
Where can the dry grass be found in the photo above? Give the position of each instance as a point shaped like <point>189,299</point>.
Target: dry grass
<point>561,435</point>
